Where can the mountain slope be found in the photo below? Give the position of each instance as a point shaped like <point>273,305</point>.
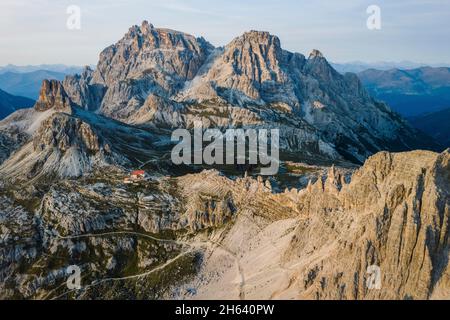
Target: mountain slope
<point>324,240</point>
<point>65,141</point>
<point>27,84</point>
<point>396,213</point>
<point>434,124</point>
<point>316,243</point>
<point>410,92</point>
<point>10,103</point>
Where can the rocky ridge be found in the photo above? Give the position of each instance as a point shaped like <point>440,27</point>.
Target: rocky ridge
<point>322,241</point>
<point>58,139</point>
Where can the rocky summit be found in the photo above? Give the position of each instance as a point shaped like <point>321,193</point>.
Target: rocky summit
<point>358,210</point>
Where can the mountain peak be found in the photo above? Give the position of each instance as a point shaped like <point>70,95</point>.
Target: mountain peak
<point>53,95</point>
<point>255,38</point>
<point>145,51</point>
<point>315,54</point>
<point>146,27</point>
<point>255,45</point>
<point>257,33</point>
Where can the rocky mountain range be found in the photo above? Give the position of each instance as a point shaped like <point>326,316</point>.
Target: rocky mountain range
<point>160,77</point>
<point>314,231</point>
<point>66,141</point>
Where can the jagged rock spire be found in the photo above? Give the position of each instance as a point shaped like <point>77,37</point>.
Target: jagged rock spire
<point>146,27</point>
<point>315,54</point>
<point>52,95</point>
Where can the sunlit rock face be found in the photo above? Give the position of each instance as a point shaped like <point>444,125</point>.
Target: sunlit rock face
<point>53,96</point>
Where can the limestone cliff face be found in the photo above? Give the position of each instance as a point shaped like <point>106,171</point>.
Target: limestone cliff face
<point>249,66</point>
<point>330,240</point>
<point>395,214</point>
<point>53,95</point>
<point>63,146</point>
<point>63,197</point>
<point>18,129</point>
<point>82,92</point>
<point>145,61</point>
<point>63,132</point>
<point>9,142</point>
<point>148,50</point>
<point>253,70</point>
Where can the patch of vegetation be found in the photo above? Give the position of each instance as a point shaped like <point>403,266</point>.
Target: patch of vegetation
<point>298,168</point>
<point>152,286</point>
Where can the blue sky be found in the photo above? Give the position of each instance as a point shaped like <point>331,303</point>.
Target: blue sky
<point>34,31</point>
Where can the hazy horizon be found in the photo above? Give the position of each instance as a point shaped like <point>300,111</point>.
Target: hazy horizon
<point>36,33</point>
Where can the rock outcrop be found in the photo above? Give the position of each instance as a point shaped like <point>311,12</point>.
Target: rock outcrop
<point>53,96</point>
<point>383,235</point>
<point>62,132</point>
<point>10,103</point>
<point>80,90</point>
<point>61,140</point>
<point>394,215</point>
<point>145,61</point>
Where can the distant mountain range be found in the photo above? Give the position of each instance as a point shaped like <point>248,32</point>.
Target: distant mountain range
<point>10,103</point>
<point>26,81</point>
<point>359,66</point>
<point>27,84</point>
<point>410,92</point>
<point>436,124</point>
<point>61,68</point>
